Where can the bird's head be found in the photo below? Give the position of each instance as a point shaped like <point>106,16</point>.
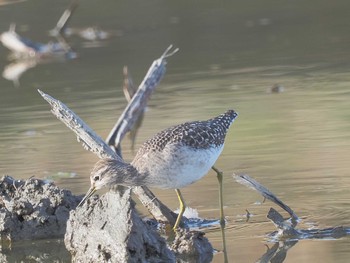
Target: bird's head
<point>106,172</point>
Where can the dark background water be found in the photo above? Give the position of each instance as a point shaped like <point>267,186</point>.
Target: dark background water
<point>231,54</point>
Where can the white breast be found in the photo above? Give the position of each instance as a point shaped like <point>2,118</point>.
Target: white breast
<point>177,167</point>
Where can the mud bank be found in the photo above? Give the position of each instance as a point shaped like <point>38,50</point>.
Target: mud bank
<point>33,209</point>
<point>105,229</point>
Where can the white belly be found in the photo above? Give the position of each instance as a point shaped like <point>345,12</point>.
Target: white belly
<point>177,167</point>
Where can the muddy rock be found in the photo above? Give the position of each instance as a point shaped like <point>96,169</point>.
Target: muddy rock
<point>192,246</point>
<point>33,209</point>
<point>109,229</point>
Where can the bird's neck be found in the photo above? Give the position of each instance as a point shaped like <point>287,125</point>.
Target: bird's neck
<point>127,175</point>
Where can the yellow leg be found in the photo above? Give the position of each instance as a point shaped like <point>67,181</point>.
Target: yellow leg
<point>182,208</point>
<point>219,175</point>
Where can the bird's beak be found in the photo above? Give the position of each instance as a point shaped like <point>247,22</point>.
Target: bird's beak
<point>91,191</point>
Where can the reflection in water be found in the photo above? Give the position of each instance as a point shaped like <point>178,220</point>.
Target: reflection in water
<point>277,253</point>
<point>282,240</point>
<point>18,67</point>
<point>27,54</point>
<point>14,71</point>
<point>11,2</point>
<point>39,251</point>
<point>287,235</point>
<point>23,48</point>
<point>93,33</point>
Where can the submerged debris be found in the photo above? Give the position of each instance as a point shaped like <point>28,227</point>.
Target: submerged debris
<point>24,48</point>
<point>286,231</point>
<point>276,89</point>
<point>26,54</point>
<point>286,228</point>
<point>266,193</point>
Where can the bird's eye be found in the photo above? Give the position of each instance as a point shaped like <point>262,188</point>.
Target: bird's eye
<point>96,178</point>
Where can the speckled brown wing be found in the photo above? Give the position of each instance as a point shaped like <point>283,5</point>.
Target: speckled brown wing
<point>197,134</point>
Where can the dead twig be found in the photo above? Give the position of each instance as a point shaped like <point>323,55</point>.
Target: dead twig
<point>90,140</point>
<point>139,101</point>
<point>65,17</point>
<point>287,233</point>
<point>266,193</point>
<point>129,92</point>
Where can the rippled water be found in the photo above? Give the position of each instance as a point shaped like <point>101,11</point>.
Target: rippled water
<point>296,142</point>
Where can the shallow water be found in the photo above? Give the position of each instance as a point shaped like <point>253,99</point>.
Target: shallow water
<point>295,142</point>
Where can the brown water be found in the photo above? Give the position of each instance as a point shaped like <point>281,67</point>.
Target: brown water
<point>297,142</point>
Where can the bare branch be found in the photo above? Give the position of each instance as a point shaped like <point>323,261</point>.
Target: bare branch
<point>65,17</point>
<point>139,101</point>
<point>85,134</point>
<point>128,85</point>
<point>129,91</point>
